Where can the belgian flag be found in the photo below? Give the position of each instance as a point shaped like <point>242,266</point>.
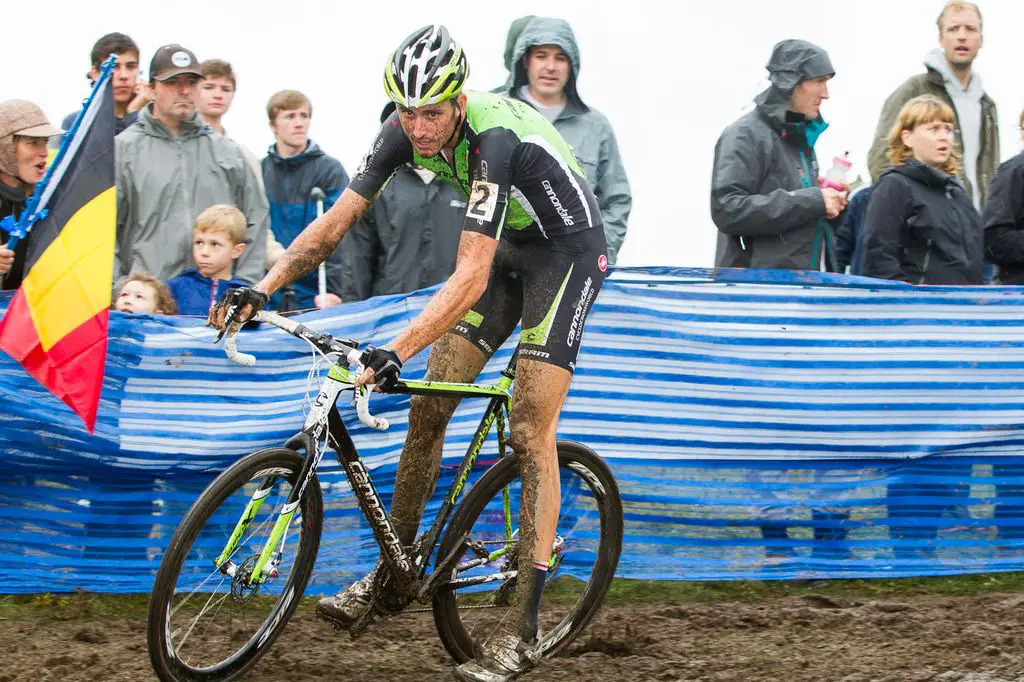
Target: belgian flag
<point>56,324</point>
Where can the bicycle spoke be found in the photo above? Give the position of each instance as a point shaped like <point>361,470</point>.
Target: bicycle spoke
<point>479,598</point>
<point>195,621</point>
<point>211,615</point>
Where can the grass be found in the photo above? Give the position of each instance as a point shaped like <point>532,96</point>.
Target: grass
<point>103,607</point>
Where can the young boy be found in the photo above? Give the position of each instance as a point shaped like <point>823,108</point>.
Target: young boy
<point>218,239</point>
<point>143,293</point>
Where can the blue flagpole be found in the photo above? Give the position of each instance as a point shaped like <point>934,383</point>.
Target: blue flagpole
<point>33,213</point>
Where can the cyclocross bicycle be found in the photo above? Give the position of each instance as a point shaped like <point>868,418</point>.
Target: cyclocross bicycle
<point>239,561</point>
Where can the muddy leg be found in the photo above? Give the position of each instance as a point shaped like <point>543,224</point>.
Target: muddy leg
<point>452,358</point>
<point>539,392</point>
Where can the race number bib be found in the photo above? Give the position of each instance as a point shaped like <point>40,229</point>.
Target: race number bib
<point>483,200</point>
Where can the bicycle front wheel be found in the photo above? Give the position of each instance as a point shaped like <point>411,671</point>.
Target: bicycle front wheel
<point>210,616</point>
<point>474,600</point>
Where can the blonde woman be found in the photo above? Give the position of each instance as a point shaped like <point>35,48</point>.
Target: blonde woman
<point>921,226</point>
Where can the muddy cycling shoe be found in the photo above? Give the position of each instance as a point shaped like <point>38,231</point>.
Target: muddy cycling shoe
<point>505,657</point>
<point>346,607</point>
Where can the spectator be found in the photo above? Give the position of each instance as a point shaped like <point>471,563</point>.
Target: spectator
<point>765,198</point>
<point>849,236</point>
<point>921,226</point>
<point>130,95</point>
<point>216,93</point>
<point>293,167</point>
<point>218,240</point>
<point>514,31</point>
<point>170,167</point>
<point>1004,219</point>
<point>407,239</point>
<point>1004,245</point>
<point>141,292</point>
<point>24,134</point>
<point>950,77</point>
<point>546,63</point>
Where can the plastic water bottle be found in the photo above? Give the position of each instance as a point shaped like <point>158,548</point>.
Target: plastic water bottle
<point>837,175</point>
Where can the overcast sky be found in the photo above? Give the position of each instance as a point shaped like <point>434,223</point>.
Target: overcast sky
<point>669,78</point>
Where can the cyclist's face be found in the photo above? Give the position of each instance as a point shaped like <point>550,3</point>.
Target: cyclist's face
<point>430,127</point>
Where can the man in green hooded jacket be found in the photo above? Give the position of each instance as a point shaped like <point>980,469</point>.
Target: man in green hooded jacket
<point>543,66</point>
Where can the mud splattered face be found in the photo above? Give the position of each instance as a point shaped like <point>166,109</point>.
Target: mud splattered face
<point>429,128</point>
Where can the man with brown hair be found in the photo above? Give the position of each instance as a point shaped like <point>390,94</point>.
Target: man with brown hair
<point>950,76</point>
<point>130,95</point>
<point>293,168</point>
<point>171,167</point>
<point>216,93</point>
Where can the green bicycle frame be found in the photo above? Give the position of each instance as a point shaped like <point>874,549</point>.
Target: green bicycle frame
<point>323,416</point>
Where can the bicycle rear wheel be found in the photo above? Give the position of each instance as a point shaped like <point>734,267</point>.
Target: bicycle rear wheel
<point>208,623</point>
<point>474,600</point>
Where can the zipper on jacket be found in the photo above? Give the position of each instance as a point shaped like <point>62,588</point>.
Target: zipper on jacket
<point>819,259</point>
<point>927,259</point>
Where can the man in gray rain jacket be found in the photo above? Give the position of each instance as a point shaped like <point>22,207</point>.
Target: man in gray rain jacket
<point>546,62</point>
<point>515,29</point>
<point>765,198</point>
<point>170,167</point>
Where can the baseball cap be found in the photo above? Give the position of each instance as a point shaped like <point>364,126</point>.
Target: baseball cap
<point>172,60</point>
<point>21,117</point>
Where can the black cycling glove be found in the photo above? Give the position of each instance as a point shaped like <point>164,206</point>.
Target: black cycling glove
<point>385,365</point>
<point>231,304</point>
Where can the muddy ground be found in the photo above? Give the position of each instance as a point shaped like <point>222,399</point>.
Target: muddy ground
<point>814,637</point>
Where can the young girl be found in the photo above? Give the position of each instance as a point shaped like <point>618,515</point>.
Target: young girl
<point>143,293</point>
<point>921,227</point>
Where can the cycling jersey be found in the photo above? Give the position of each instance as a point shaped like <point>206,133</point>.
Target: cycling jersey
<point>511,163</point>
<point>517,172</point>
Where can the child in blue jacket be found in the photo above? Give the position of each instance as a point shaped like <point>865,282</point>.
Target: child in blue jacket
<point>218,239</point>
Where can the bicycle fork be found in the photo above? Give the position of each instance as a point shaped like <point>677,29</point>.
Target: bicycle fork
<point>309,439</point>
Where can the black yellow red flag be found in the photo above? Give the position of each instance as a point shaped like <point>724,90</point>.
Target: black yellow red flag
<point>56,324</point>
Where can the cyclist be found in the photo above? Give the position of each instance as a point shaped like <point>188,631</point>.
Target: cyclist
<point>532,249</point>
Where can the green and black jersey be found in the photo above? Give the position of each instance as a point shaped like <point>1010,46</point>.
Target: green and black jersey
<point>515,169</point>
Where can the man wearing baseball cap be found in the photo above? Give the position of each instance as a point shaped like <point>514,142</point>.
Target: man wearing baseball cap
<point>171,166</point>
<point>24,134</point>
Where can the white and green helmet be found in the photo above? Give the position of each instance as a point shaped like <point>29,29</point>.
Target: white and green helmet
<point>427,68</point>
